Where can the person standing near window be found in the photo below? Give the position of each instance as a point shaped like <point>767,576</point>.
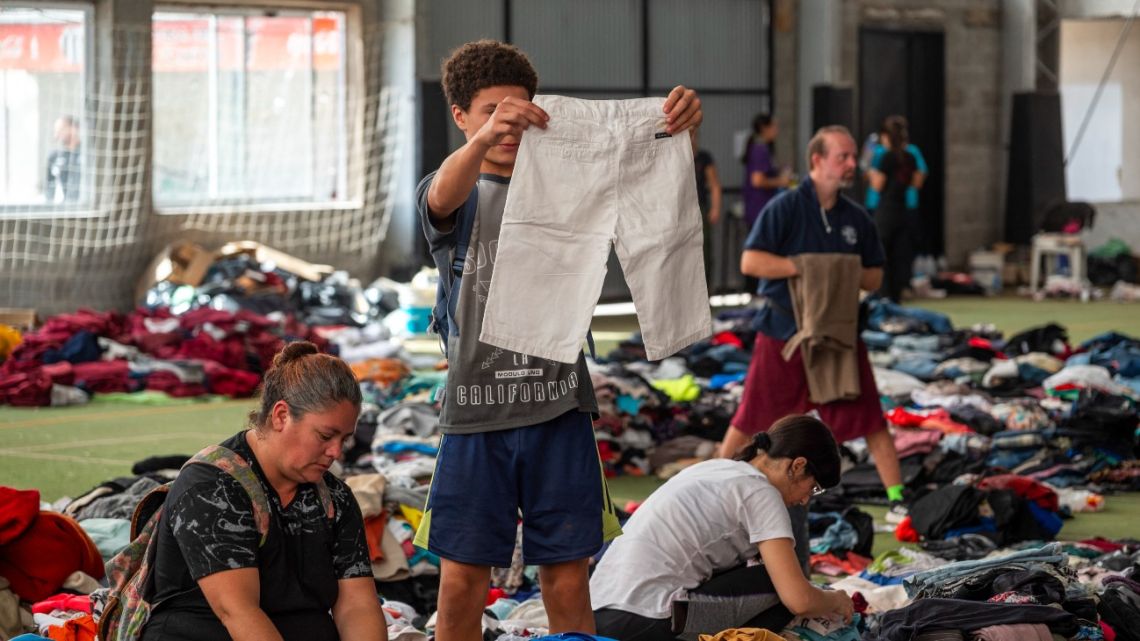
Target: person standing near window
<point>64,164</point>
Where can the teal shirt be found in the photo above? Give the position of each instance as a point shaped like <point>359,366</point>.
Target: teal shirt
<point>871,200</point>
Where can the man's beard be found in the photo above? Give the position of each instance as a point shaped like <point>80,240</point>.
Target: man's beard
<point>847,182</point>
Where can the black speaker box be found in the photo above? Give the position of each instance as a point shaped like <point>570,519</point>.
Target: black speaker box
<point>1036,178</point>
<point>832,105</point>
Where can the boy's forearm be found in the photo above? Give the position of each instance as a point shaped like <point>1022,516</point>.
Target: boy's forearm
<point>455,179</point>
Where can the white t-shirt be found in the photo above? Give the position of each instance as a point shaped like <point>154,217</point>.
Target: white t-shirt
<point>707,519</point>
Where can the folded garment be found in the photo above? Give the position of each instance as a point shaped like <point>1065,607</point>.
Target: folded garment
<point>920,441</point>
<point>18,508</point>
<point>100,376</point>
<point>942,614</point>
<point>39,561</point>
<point>368,489</point>
<point>64,602</point>
<point>1014,632</point>
<point>1026,488</point>
<point>118,505</point>
<point>894,383</point>
<point>832,564</point>
<point>170,383</point>
<point>682,390</point>
<point>944,509</point>
<point>110,535</point>
<point>880,598</point>
<point>384,371</point>
<point>229,381</point>
<point>839,535</point>
<point>961,548</point>
<point>1048,554</point>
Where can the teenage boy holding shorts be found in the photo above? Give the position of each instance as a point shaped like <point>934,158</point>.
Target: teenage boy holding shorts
<point>518,432</point>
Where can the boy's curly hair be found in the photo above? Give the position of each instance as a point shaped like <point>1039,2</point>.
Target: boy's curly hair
<point>485,63</point>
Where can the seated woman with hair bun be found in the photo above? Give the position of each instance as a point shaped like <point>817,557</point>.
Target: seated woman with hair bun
<point>682,566</point>
<point>290,563</point>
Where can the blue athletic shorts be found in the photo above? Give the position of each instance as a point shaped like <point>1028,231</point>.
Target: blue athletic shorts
<point>549,472</point>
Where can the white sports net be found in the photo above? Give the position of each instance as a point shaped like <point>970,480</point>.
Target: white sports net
<point>211,127</point>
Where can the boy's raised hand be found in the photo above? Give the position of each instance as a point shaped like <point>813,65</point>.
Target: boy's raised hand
<point>512,116</point>
<point>682,111</point>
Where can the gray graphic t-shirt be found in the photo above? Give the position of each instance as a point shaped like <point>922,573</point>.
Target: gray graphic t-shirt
<point>490,388</point>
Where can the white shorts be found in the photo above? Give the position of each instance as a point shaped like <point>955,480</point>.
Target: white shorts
<point>602,172</point>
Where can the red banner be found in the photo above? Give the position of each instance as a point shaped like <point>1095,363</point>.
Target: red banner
<point>42,47</point>
<point>252,44</point>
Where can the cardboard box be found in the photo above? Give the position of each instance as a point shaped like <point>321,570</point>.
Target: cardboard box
<point>292,264</point>
<point>23,319</point>
<point>185,263</point>
<point>181,262</point>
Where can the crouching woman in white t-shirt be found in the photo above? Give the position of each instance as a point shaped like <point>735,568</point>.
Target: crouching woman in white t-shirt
<point>683,567</point>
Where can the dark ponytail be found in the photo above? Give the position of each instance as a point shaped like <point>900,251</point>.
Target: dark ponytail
<point>898,131</point>
<point>795,436</point>
<point>759,123</point>
<point>307,381</point>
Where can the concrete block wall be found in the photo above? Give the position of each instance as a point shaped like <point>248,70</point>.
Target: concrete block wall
<point>974,211</point>
<point>785,13</point>
<point>1115,220</point>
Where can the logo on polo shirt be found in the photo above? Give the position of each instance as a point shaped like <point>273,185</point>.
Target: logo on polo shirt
<point>849,234</point>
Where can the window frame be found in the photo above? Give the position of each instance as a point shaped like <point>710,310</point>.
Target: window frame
<point>90,207</point>
<point>351,147</point>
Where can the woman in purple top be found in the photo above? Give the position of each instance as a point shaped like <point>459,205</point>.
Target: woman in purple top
<point>761,178</point>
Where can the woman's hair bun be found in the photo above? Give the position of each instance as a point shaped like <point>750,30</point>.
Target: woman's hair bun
<point>294,351</point>
<point>762,441</point>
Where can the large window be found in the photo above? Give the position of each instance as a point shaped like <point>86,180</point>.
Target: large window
<point>1100,115</point>
<point>249,108</point>
<point>43,71</point>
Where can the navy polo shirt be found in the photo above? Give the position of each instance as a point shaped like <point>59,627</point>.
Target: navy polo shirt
<point>794,223</point>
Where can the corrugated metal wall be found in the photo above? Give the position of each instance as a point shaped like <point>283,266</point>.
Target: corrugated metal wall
<point>612,49</point>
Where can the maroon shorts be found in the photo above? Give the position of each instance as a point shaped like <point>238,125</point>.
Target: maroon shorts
<point>775,388</point>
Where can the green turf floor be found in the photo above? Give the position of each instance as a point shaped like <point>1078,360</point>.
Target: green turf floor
<point>65,451</point>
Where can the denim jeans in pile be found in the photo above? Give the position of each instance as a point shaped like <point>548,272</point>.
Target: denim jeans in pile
<point>1049,554</point>
<point>602,173</point>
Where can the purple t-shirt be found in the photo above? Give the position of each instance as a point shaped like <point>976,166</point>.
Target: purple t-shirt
<point>759,159</point>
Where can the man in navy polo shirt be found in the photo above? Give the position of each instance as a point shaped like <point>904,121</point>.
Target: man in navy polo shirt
<point>814,218</point>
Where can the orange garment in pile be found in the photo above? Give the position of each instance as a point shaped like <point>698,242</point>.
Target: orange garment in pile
<point>78,629</point>
<point>383,371</point>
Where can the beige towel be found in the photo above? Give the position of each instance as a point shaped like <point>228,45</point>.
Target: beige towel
<point>368,489</point>
<point>825,300</point>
